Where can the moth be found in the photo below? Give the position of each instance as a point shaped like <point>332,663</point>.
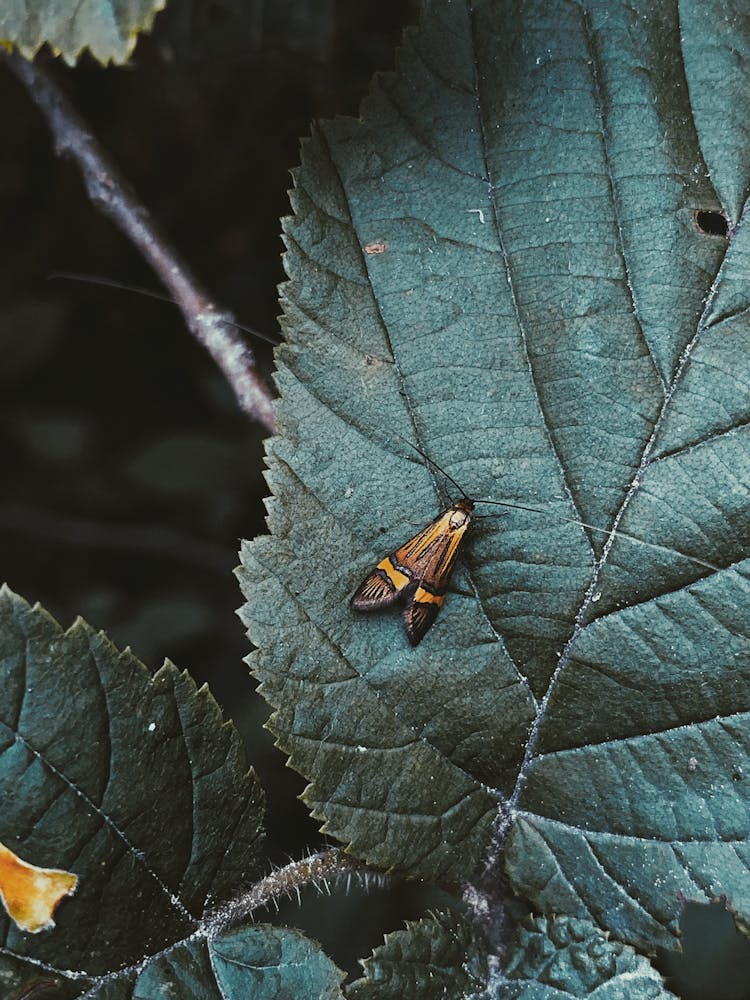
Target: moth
<point>419,571</point>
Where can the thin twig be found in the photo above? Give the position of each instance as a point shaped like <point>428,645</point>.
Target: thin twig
<point>111,193</point>
<point>283,882</point>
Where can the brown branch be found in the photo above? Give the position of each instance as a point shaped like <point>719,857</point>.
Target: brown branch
<point>111,193</point>
<point>315,869</point>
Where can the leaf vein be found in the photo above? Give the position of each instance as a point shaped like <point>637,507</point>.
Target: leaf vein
<point>614,199</point>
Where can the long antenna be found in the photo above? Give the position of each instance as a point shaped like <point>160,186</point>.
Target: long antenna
<point>563,517</point>
<point>436,466</point>
<point>604,531</point>
<point>95,279</point>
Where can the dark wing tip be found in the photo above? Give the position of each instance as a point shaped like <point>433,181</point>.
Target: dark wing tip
<point>375,591</point>
<point>418,617</point>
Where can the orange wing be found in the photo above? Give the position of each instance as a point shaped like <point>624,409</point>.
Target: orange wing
<point>419,571</point>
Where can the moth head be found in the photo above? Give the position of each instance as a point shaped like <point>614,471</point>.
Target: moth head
<point>461,513</point>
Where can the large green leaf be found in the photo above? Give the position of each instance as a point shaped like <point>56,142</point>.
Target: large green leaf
<point>135,784</point>
<point>108,30</point>
<point>441,956</point>
<point>546,960</point>
<point>501,263</point>
<point>262,962</point>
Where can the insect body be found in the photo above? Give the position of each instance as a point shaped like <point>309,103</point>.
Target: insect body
<point>419,572</point>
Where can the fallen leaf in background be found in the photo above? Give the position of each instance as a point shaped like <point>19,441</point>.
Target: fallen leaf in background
<point>31,894</point>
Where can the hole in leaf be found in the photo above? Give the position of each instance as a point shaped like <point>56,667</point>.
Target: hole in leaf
<point>715,960</point>
<point>712,223</point>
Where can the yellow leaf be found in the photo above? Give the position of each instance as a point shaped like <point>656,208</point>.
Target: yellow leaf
<point>30,894</point>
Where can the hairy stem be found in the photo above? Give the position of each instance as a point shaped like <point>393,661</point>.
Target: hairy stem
<point>315,869</point>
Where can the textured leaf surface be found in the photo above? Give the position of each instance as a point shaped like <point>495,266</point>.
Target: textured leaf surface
<point>547,960</point>
<point>261,962</point>
<point>545,319</point>
<point>443,956</point>
<point>130,781</point>
<point>571,958</point>
<point>109,30</point>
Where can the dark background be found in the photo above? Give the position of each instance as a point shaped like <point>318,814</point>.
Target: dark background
<point>129,474</point>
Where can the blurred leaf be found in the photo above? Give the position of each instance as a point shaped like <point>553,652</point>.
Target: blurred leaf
<point>108,30</point>
<point>188,463</point>
<point>164,621</point>
<point>549,324</point>
<point>60,440</point>
<point>133,783</point>
<point>28,333</point>
<point>304,26</point>
<point>202,29</point>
